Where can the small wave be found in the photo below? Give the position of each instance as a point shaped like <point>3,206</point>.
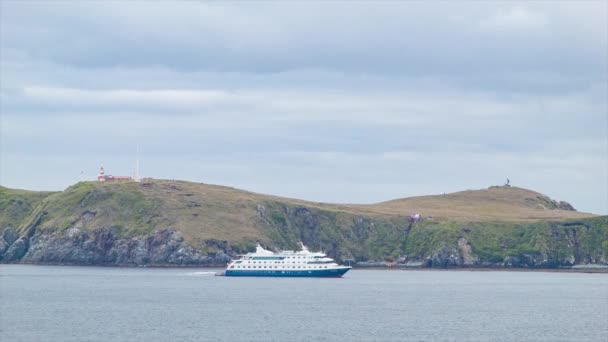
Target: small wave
<point>201,273</point>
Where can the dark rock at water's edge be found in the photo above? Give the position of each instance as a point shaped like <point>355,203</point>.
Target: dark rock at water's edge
<point>105,247</point>
<point>12,247</point>
<point>430,245</point>
<point>8,237</point>
<point>177,223</point>
<point>17,250</point>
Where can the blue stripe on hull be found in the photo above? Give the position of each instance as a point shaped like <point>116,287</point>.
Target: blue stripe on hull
<point>287,273</point>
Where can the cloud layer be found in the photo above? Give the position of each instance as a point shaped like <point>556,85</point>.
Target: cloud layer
<point>321,101</point>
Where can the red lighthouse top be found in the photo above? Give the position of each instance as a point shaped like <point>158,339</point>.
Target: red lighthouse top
<point>101,177</point>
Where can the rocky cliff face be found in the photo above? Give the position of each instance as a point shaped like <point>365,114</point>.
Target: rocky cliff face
<point>363,240</point>
<point>161,222</point>
<point>105,247</point>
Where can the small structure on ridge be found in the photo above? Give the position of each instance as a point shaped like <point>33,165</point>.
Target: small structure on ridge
<point>102,177</point>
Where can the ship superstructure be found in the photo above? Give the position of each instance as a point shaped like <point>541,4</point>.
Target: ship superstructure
<point>303,263</point>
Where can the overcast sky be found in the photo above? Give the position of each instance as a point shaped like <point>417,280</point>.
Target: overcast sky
<point>339,102</point>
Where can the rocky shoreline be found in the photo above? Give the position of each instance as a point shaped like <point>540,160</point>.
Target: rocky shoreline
<point>104,247</point>
<point>600,269</point>
<point>182,224</point>
<point>592,269</point>
<point>167,248</point>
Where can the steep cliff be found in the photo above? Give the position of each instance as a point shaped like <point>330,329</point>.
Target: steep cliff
<point>159,222</point>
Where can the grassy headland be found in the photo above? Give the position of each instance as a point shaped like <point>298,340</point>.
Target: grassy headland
<point>500,225</point>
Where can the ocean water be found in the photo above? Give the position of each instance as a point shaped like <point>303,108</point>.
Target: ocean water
<point>55,303</point>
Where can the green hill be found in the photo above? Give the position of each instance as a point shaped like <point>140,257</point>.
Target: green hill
<point>177,222</point>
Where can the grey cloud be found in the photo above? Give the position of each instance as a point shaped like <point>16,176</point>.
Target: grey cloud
<point>318,101</point>
<point>403,38</point>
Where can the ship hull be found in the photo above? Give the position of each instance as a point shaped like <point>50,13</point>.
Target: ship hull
<point>324,273</point>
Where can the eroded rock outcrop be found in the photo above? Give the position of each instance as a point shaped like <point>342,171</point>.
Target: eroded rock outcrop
<point>8,237</point>
<point>17,250</point>
<point>466,253</point>
<point>106,247</point>
<point>355,239</point>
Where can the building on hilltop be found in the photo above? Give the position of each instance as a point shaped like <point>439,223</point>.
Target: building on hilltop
<point>102,177</point>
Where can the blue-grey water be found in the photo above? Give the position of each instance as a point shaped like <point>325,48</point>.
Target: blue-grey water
<point>54,303</point>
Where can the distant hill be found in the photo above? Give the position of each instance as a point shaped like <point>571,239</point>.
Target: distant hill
<point>185,223</point>
<point>495,203</point>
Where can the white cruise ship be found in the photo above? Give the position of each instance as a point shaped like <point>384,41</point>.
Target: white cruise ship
<point>303,263</point>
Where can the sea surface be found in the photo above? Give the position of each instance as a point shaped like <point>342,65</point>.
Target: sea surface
<point>65,303</point>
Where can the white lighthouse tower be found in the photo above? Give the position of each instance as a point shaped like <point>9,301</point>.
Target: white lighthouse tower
<point>101,177</point>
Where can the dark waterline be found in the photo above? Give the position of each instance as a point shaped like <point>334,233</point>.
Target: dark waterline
<point>64,303</point>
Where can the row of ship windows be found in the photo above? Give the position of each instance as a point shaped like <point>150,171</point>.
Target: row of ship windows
<point>278,267</point>
<point>299,257</point>
<point>289,257</point>
<point>270,262</point>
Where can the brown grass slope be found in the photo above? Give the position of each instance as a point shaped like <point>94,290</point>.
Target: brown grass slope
<point>201,211</point>
<point>496,203</point>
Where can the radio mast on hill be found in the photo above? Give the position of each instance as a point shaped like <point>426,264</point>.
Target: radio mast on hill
<point>136,175</point>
